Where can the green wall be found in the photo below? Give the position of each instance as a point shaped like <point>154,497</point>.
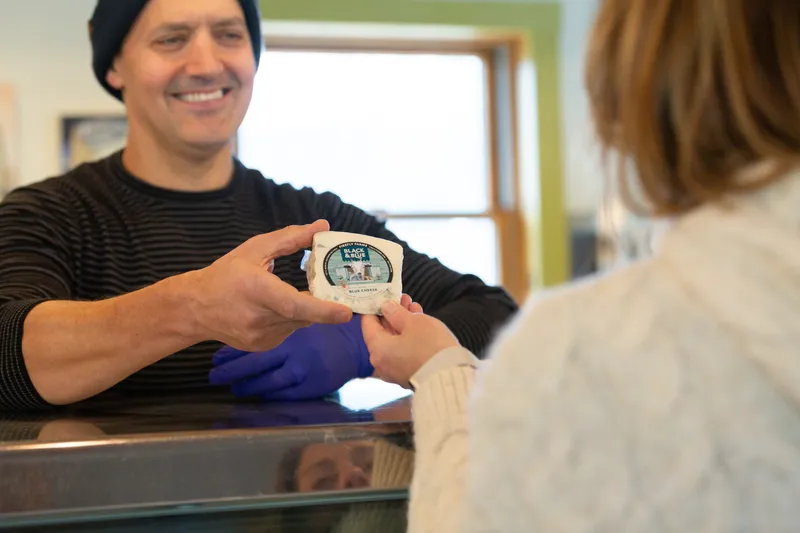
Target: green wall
<point>539,24</point>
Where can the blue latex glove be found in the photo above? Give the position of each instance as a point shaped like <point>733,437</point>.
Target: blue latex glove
<point>311,363</point>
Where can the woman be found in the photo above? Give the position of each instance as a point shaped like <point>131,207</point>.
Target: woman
<point>665,396</point>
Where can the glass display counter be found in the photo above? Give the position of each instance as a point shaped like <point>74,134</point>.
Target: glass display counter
<point>202,464</point>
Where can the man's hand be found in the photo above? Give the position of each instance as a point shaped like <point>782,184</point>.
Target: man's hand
<point>74,350</point>
<point>311,363</point>
<point>238,301</point>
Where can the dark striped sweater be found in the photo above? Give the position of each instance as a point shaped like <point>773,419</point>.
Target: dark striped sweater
<point>99,232</point>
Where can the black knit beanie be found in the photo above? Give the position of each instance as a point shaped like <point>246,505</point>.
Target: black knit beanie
<point>113,19</point>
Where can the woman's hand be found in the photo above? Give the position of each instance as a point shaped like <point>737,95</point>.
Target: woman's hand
<point>403,340</point>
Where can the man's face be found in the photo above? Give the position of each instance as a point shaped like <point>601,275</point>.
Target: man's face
<point>186,72</point>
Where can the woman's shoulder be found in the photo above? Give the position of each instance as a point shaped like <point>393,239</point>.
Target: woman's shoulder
<point>544,404</point>
<point>601,390</point>
<point>590,305</point>
<point>602,324</point>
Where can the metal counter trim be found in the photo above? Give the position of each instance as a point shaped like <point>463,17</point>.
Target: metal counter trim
<point>287,501</point>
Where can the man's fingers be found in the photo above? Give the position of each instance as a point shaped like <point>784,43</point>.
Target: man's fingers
<point>415,308</point>
<point>268,382</point>
<point>249,365</point>
<point>309,309</point>
<point>286,301</point>
<point>286,241</point>
<point>227,354</point>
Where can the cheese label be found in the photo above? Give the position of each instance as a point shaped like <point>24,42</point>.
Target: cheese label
<point>358,269</point>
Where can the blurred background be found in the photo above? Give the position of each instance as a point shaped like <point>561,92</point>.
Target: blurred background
<point>464,123</point>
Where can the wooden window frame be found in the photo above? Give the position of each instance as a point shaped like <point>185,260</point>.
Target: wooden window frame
<point>500,56</point>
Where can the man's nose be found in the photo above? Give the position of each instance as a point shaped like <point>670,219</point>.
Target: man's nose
<point>203,58</point>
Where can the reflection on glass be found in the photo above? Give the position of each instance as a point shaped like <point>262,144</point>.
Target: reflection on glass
<point>326,467</point>
<point>387,132</point>
<point>381,463</point>
<point>322,450</point>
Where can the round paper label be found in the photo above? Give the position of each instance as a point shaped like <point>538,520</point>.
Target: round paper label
<point>358,269</point>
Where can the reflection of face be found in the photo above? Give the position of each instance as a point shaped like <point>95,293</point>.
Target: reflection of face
<point>186,72</point>
<point>335,466</point>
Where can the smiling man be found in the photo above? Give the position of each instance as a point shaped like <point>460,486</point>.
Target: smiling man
<point>185,72</point>
<point>169,266</point>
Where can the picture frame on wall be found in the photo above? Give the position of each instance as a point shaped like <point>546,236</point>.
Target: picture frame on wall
<point>87,138</point>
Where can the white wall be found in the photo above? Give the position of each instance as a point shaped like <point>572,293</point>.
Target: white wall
<point>45,53</point>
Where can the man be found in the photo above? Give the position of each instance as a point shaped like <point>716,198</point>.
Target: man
<point>126,274</point>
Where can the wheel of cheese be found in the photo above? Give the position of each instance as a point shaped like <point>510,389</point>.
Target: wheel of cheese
<point>359,271</point>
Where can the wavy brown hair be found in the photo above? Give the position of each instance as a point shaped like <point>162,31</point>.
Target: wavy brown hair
<point>689,92</point>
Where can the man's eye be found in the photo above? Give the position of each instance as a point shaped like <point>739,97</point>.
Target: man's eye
<point>171,41</point>
<point>232,36</point>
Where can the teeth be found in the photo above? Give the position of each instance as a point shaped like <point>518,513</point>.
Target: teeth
<point>201,97</point>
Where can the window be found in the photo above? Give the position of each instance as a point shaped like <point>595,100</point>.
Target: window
<point>406,135</point>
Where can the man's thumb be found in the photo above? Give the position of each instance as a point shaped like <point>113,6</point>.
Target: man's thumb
<point>396,316</point>
<point>288,240</point>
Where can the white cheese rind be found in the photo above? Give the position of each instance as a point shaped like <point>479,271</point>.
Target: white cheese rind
<point>359,271</point>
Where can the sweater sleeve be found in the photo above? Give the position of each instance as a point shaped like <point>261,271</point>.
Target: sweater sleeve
<point>35,266</point>
<point>438,489</point>
<point>471,309</point>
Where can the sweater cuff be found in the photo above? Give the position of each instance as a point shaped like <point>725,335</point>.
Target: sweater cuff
<point>441,401</point>
<point>393,466</point>
<point>444,360</point>
<point>16,388</point>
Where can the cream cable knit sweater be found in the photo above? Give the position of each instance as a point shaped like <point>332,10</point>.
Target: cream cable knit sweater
<point>663,397</point>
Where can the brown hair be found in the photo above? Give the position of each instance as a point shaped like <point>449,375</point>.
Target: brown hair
<point>688,92</point>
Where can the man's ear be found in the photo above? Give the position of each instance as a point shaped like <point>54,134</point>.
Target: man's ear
<point>114,78</point>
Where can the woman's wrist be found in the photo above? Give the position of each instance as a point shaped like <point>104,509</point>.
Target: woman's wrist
<point>446,359</point>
